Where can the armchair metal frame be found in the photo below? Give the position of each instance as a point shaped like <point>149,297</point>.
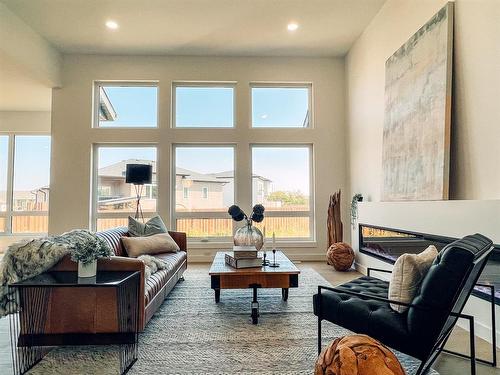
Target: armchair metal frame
<point>442,338</point>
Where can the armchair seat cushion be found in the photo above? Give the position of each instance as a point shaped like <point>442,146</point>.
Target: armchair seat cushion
<point>367,316</point>
<point>157,280</point>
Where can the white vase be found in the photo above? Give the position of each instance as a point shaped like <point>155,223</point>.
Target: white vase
<point>87,270</point>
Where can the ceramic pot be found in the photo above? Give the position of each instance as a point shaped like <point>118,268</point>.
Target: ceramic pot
<point>87,270</point>
<point>249,235</point>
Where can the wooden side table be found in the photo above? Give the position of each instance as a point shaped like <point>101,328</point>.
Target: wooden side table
<point>30,339</point>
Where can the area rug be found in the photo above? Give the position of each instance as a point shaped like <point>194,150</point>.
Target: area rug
<point>191,334</point>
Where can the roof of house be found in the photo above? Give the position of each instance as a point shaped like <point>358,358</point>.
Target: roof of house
<point>106,110</point>
<point>117,170</point>
<point>230,174</point>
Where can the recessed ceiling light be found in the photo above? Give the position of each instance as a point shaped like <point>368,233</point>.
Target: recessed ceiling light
<point>292,26</point>
<point>110,24</point>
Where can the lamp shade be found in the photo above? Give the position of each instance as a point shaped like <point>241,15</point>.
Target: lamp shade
<point>139,174</point>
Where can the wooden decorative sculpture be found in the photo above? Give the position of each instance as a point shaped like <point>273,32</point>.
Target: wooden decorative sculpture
<point>357,355</point>
<point>340,255</point>
<point>334,222</point>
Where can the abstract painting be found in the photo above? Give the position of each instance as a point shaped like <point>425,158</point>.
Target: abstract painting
<point>416,138</point>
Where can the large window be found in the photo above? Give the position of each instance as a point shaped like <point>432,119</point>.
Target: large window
<point>203,105</point>
<point>24,183</point>
<point>216,155</point>
<point>4,158</point>
<point>115,199</point>
<point>286,106</point>
<point>281,181</point>
<point>204,189</point>
<point>125,105</point>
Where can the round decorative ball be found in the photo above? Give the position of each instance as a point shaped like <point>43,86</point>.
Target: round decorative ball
<point>340,255</point>
<point>357,355</point>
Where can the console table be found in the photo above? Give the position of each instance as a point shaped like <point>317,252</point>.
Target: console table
<point>30,337</point>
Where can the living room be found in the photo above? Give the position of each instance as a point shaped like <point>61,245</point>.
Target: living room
<point>245,120</point>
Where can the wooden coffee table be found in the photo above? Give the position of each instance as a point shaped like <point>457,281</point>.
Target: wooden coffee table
<point>226,277</point>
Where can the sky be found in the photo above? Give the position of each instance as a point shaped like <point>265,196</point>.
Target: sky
<point>195,106</point>
<point>31,162</point>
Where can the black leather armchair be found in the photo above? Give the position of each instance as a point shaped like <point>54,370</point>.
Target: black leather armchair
<point>362,305</point>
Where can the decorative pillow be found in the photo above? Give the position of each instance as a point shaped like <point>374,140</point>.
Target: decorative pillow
<point>407,275</point>
<point>155,244</point>
<point>154,225</point>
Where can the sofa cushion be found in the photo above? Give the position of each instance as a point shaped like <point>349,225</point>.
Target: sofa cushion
<point>367,316</point>
<point>154,225</point>
<point>407,275</point>
<point>157,280</point>
<point>113,239</point>
<point>155,244</point>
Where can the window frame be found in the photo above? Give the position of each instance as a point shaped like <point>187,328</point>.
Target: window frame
<point>311,212</point>
<point>202,84</point>
<point>10,213</point>
<point>174,215</point>
<point>94,188</point>
<point>96,94</point>
<point>283,85</point>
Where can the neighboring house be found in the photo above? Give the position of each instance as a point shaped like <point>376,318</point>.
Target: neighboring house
<point>31,200</point>
<point>115,194</point>
<point>261,188</point>
<point>106,109</point>
<point>193,191</point>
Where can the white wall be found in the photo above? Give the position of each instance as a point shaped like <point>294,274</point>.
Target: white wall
<point>476,113</point>
<point>25,121</point>
<point>475,158</point>
<point>22,45</point>
<point>72,135</point>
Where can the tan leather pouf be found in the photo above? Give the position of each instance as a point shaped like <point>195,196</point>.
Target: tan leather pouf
<point>340,255</point>
<point>357,355</point>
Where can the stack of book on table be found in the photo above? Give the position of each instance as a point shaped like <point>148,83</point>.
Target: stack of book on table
<point>243,257</point>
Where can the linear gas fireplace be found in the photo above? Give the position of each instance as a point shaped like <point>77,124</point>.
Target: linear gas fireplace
<point>387,244</point>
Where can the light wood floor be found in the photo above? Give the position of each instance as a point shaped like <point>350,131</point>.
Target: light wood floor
<point>446,364</point>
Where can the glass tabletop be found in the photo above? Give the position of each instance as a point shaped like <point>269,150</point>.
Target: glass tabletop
<point>70,278</point>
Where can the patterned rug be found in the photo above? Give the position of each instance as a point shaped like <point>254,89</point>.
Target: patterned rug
<point>191,334</point>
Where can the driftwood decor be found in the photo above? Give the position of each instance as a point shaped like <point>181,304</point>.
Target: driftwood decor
<point>357,355</point>
<point>334,222</point>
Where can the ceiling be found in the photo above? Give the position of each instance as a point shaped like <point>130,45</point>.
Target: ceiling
<point>199,27</point>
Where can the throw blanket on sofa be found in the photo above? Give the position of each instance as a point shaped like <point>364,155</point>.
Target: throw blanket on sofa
<point>28,258</point>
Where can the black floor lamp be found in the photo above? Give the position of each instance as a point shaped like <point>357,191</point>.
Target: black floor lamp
<point>139,174</point>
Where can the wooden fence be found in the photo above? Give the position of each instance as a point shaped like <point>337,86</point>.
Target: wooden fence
<point>30,224</point>
<point>282,226</point>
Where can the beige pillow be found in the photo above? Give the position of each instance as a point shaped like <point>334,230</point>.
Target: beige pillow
<point>407,275</point>
<point>155,244</point>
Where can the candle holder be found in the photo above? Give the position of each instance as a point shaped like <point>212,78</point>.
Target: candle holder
<point>265,262</point>
<point>274,263</point>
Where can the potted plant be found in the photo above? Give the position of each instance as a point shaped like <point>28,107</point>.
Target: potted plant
<point>354,208</point>
<point>86,254</point>
<point>248,235</point>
